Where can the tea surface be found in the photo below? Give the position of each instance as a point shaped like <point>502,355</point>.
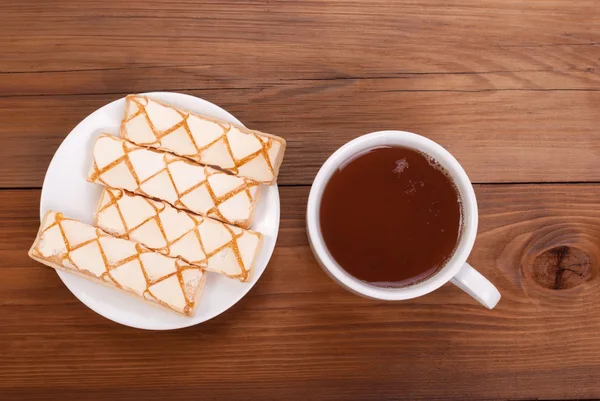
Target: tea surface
<point>391,216</point>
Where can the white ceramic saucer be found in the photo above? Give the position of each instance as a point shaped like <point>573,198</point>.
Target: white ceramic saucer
<point>66,190</point>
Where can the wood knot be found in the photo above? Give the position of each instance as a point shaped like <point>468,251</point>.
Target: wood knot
<point>561,268</point>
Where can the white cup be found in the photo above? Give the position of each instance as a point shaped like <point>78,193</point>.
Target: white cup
<point>456,270</point>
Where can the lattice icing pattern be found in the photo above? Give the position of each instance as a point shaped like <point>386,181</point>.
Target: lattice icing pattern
<point>181,182</point>
<point>219,247</point>
<point>244,152</point>
<point>70,245</point>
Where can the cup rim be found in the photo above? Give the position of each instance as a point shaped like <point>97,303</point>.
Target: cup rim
<point>413,141</point>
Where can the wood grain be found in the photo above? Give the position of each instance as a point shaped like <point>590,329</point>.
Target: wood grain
<point>498,136</point>
<point>119,81</point>
<point>297,335</point>
<point>267,37</point>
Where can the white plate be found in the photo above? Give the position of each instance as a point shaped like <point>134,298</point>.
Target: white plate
<point>66,190</point>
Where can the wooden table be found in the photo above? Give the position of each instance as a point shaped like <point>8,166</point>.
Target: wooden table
<point>510,87</point>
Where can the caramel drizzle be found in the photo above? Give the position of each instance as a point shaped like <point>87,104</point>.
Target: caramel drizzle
<point>214,211</point>
<point>197,156</point>
<point>108,266</point>
<point>115,195</point>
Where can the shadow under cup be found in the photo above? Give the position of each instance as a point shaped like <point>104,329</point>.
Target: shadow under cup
<point>428,279</point>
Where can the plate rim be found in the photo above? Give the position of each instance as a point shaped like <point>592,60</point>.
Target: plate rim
<point>62,275</point>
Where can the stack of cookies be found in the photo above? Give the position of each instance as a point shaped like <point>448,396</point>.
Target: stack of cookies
<point>179,198</point>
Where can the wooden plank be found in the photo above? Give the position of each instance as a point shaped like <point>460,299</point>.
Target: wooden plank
<point>297,335</point>
<point>187,78</point>
<point>498,136</point>
<point>283,38</point>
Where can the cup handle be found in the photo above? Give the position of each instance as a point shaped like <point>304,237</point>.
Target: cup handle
<point>473,283</point>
